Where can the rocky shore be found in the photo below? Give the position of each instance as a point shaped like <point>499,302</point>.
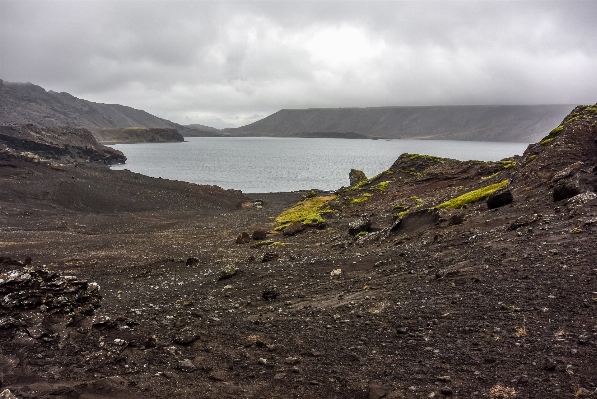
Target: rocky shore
<point>436,278</point>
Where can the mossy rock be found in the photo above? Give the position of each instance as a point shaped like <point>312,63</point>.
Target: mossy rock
<point>472,196</point>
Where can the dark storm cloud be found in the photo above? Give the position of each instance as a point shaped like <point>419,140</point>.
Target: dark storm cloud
<point>228,63</point>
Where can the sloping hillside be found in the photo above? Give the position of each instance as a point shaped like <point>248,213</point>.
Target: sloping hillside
<point>513,123</point>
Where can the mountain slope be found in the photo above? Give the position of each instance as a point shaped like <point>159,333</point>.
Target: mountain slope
<point>514,123</point>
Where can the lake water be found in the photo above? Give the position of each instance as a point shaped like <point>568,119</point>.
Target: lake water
<point>263,164</point>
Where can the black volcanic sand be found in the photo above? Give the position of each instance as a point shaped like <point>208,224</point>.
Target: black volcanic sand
<point>464,303</point>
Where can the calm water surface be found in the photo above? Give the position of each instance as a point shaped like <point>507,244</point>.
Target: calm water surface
<point>263,164</point>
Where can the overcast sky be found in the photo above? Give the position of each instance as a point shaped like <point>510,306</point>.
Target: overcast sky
<point>229,63</point>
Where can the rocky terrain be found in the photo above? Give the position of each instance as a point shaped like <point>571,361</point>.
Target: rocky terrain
<point>513,123</point>
<point>437,278</point>
<point>129,135</point>
<point>55,145</point>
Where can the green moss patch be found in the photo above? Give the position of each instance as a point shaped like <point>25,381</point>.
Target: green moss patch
<point>360,199</point>
<point>472,196</point>
<point>308,212</point>
<point>546,141</point>
<point>382,186</point>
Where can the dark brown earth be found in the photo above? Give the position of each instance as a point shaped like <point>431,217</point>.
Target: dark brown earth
<point>462,303</point>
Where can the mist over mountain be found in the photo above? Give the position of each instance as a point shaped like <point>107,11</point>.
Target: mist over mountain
<point>22,103</point>
<point>507,123</point>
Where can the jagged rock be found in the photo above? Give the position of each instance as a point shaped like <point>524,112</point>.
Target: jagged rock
<point>356,176</point>
<point>581,199</point>
<point>259,235</point>
<point>359,225</point>
<point>186,365</point>
<point>6,394</point>
<point>243,238</point>
<point>227,272</point>
<point>293,229</point>
<point>499,198</point>
<point>37,288</point>
<point>270,256</point>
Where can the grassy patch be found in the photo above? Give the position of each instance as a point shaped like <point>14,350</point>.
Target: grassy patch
<point>362,234</point>
<point>546,141</point>
<point>307,212</point>
<point>382,186</point>
<point>508,164</point>
<point>472,196</point>
<point>360,199</point>
<point>490,176</point>
<point>403,213</point>
<point>532,158</point>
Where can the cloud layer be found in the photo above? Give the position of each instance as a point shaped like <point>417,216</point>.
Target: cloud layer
<point>228,63</point>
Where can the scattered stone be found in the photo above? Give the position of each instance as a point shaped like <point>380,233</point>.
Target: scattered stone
<point>217,376</point>
<point>378,391</point>
<point>356,176</point>
<point>192,262</point>
<point>455,219</point>
<point>446,391</point>
<point>185,338</point>
<point>279,376</point>
<point>227,272</point>
<point>186,365</point>
<point>259,235</point>
<point>401,330</point>
<point>243,238</point>
<point>269,295</point>
<point>262,361</point>
<point>270,256</point>
<point>151,342</point>
<point>499,198</point>
<point>258,204</point>
<point>444,378</point>
<point>293,229</point>
<point>359,225</point>
<point>549,364</point>
<point>336,272</point>
<point>6,394</point>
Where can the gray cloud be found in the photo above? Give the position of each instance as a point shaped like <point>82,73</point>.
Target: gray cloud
<point>228,63</point>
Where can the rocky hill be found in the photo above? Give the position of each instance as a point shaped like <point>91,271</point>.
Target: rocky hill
<point>26,103</point>
<point>54,145</point>
<point>129,135</point>
<point>511,123</point>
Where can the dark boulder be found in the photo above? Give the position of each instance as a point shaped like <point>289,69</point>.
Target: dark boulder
<point>243,238</point>
<point>192,262</point>
<point>293,229</point>
<point>359,225</point>
<point>270,256</point>
<point>566,188</point>
<point>259,234</point>
<point>499,198</point>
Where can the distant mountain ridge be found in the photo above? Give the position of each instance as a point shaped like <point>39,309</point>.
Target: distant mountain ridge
<point>507,123</point>
<point>23,103</point>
